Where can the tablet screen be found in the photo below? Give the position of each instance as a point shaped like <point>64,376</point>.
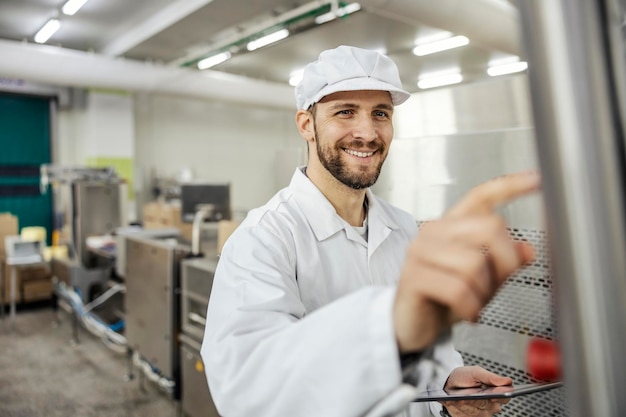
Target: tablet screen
<point>506,391</point>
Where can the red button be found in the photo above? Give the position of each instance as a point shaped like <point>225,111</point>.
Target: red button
<point>543,360</point>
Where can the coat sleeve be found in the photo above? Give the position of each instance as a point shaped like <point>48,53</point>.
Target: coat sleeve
<point>265,355</point>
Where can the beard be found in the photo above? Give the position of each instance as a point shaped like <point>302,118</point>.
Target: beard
<point>331,159</point>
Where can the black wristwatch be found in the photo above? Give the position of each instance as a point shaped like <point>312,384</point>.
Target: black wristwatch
<point>407,360</point>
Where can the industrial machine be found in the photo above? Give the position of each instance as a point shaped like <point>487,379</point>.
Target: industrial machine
<point>152,301</point>
<point>87,202</point>
<point>168,282</point>
<point>197,280</point>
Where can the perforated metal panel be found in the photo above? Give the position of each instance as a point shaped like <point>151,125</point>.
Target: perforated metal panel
<point>523,309</point>
<point>543,404</point>
<point>525,302</point>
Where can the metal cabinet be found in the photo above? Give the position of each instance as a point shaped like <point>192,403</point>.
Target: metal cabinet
<point>196,282</point>
<point>152,301</point>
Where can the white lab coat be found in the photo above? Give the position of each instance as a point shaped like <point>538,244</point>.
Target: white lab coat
<point>299,321</point>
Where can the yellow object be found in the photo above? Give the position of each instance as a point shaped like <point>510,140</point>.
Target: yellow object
<point>33,233</point>
<point>56,237</point>
<point>56,252</point>
<point>199,366</point>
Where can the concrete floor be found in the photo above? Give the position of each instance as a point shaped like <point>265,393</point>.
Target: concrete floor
<point>45,373</point>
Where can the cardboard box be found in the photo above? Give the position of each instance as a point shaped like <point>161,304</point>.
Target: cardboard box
<point>225,228</point>
<point>32,283</point>
<point>158,215</point>
<point>8,227</point>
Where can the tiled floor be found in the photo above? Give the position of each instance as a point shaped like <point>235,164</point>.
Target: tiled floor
<point>45,373</point>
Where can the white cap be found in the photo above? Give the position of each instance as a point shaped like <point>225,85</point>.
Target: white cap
<point>347,68</point>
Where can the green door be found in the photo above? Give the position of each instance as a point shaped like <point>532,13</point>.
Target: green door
<point>24,146</point>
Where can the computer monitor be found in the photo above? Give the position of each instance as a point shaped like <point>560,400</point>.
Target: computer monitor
<point>194,195</point>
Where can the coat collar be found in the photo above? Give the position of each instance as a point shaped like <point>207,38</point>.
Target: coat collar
<point>322,216</point>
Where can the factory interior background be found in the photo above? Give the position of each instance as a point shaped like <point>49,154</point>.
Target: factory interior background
<point>120,123</point>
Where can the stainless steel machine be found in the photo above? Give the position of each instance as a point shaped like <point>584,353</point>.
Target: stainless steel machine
<point>197,280</point>
<point>87,202</point>
<point>152,301</point>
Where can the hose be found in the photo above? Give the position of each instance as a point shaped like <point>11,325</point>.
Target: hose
<point>107,333</point>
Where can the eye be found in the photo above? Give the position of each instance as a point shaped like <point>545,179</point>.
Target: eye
<point>381,114</point>
<point>346,112</point>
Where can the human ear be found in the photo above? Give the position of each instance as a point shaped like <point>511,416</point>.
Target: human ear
<point>305,125</point>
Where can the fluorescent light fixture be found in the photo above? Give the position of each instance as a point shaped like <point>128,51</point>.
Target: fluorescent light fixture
<point>325,18</point>
<point>72,6</point>
<point>269,39</point>
<point>340,12</point>
<point>442,45</point>
<point>47,30</point>
<point>508,68</point>
<point>348,9</point>
<point>295,77</point>
<point>214,60</point>
<point>439,80</point>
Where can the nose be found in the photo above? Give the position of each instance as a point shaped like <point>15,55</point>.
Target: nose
<point>365,129</point>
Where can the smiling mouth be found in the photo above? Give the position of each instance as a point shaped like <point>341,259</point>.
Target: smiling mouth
<point>358,154</point>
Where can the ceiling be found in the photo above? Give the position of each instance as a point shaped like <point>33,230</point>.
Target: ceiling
<point>179,32</point>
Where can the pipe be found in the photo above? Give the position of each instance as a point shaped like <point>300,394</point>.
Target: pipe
<point>64,67</point>
<point>109,336</point>
<point>576,49</point>
<point>491,23</point>
<point>204,213</point>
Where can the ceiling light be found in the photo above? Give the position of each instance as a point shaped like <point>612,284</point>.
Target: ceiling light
<point>47,30</point>
<point>442,45</point>
<point>439,80</point>
<point>340,12</point>
<point>72,6</point>
<point>348,9</point>
<point>509,68</point>
<point>266,40</point>
<point>325,18</point>
<point>214,60</point>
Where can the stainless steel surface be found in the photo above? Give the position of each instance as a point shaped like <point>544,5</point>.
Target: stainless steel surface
<point>427,175</point>
<point>477,132</point>
<point>576,77</point>
<point>120,243</point>
<point>522,310</point>
<point>97,212</point>
<point>196,399</point>
<point>152,300</point>
<point>196,282</point>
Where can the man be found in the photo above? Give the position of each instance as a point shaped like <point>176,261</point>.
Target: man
<point>326,300</point>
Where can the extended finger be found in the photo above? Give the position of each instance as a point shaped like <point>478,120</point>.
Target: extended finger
<point>485,197</point>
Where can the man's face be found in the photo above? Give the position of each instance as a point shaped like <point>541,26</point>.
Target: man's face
<point>353,131</point>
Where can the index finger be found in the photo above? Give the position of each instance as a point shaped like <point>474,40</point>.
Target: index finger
<point>485,197</point>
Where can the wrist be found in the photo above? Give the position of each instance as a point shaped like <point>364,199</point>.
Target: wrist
<point>407,366</point>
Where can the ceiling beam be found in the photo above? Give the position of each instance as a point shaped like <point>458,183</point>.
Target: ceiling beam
<point>144,29</point>
<point>69,68</point>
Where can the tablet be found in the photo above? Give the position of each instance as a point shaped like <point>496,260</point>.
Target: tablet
<point>478,393</point>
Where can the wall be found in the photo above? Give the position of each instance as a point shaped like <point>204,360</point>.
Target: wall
<point>442,139</point>
<point>449,140</point>
<point>217,142</point>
